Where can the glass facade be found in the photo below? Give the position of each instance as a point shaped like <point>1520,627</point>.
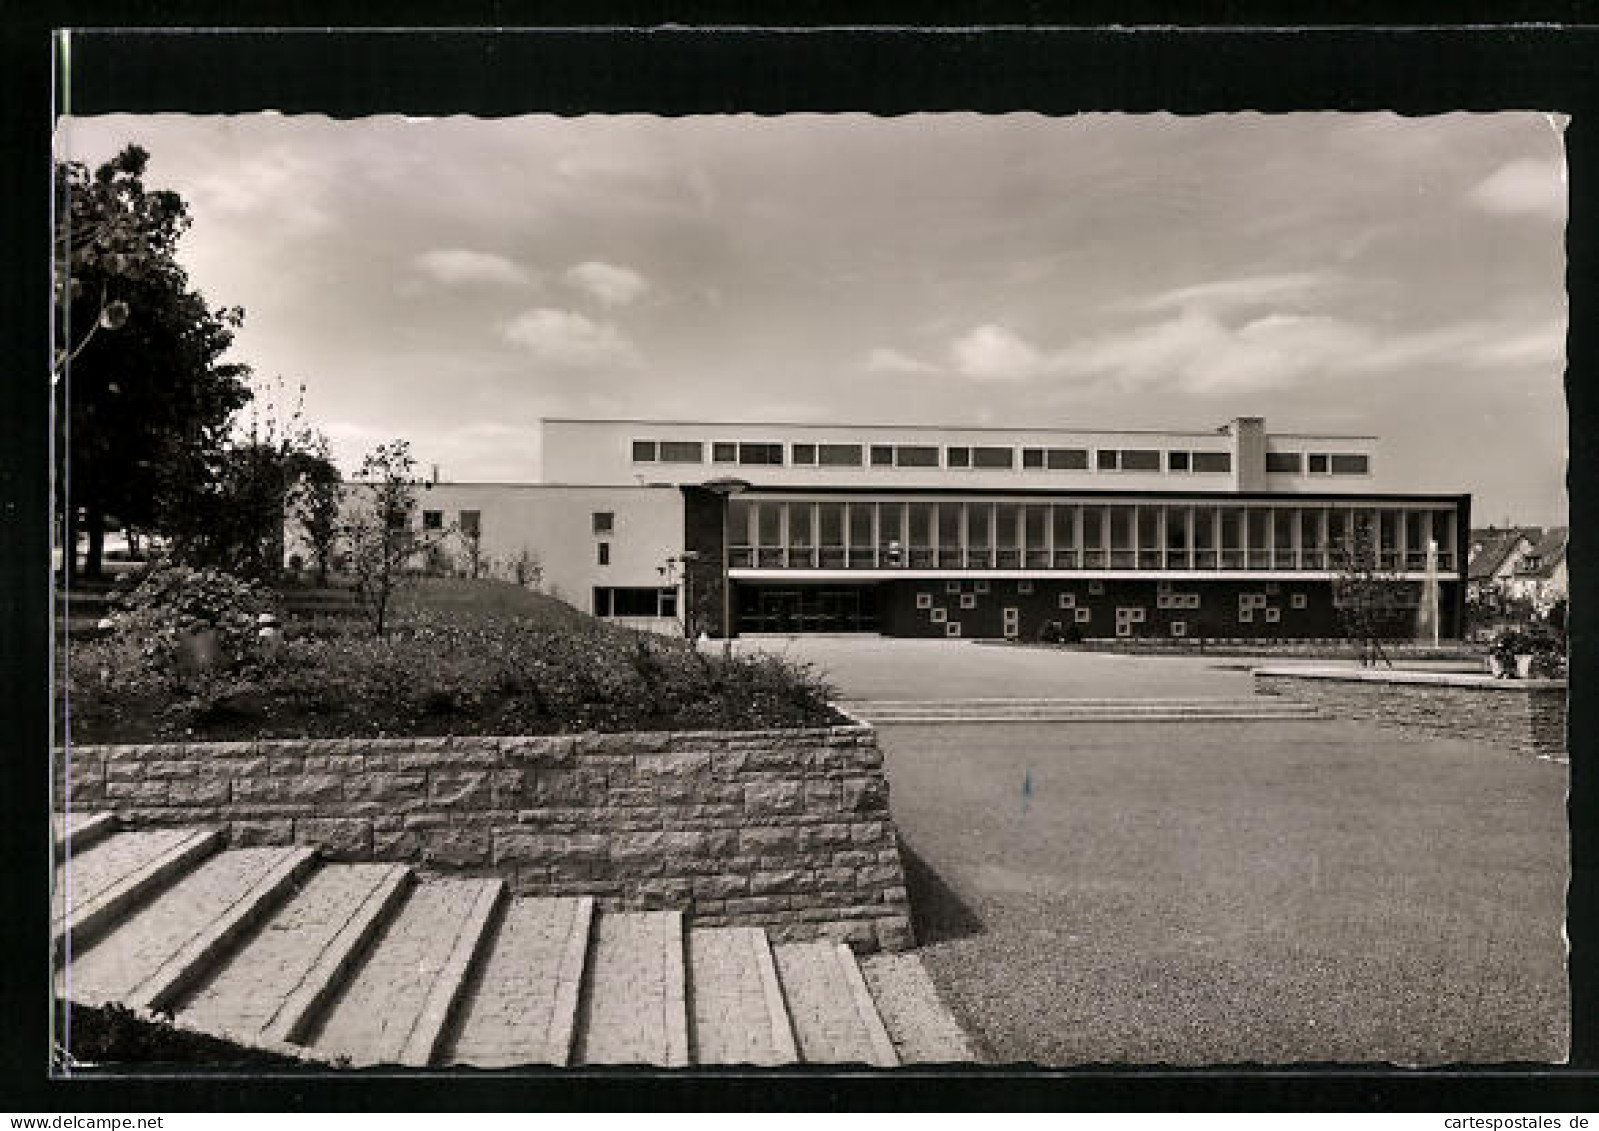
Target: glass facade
<point>1082,534</point>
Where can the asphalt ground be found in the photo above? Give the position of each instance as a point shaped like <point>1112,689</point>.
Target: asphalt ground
<point>1215,892</point>
<point>1221,893</point>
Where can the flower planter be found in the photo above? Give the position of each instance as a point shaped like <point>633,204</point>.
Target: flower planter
<point>1497,668</point>
<point>1524,666</point>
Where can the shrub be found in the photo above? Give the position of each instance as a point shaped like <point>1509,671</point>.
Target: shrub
<point>434,676</point>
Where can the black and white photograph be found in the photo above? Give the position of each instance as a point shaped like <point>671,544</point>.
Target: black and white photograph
<point>948,590</point>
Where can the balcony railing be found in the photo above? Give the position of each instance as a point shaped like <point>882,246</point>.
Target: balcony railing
<point>926,557</point>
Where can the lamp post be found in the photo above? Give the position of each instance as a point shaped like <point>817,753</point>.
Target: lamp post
<point>726,488</point>
<point>669,572</point>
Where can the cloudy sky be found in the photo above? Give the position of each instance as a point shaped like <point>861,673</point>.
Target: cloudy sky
<point>452,280</point>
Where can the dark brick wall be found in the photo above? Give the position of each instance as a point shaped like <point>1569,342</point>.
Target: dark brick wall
<point>1217,615</point>
<point>789,830</point>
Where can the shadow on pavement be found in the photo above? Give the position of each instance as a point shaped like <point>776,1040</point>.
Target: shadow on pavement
<point>937,913</point>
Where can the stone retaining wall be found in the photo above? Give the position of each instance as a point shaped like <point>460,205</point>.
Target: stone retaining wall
<point>1526,716</point>
<point>785,829</point>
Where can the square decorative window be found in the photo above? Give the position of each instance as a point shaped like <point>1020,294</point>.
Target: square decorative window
<point>1298,601</point>
<point>1246,616</point>
<point>643,451</point>
<point>682,451</point>
<point>1176,461</point>
<point>1067,601</point>
<point>1138,615</point>
<point>968,600</point>
<point>1105,459</point>
<point>724,451</point>
<point>980,586</point>
<point>1083,616</point>
<point>1193,600</point>
<point>1096,588</point>
<point>1123,614</point>
<point>952,587</point>
<point>1163,601</point>
<point>957,457</point>
<point>1012,614</point>
<point>1024,587</point>
<point>1123,629</point>
<point>1179,628</point>
<point>1032,459</point>
<point>882,455</point>
<point>802,455</point>
<point>1273,616</point>
<point>432,520</point>
<point>953,628</point>
<point>1273,588</point>
<point>1213,461</point>
<point>939,616</point>
<point>604,522</point>
<point>604,551</point>
<point>1163,587</point>
<point>924,600</point>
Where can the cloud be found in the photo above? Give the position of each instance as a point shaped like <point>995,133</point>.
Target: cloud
<point>994,353</point>
<point>612,285</point>
<point>892,361</point>
<point>1201,354</point>
<point>565,338</point>
<point>1231,294</point>
<point>1523,187</point>
<point>458,266</point>
<point>277,189</point>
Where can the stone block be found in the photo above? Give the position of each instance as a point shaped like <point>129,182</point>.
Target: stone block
<point>835,878</point>
<point>786,881</point>
<point>459,789</point>
<point>527,847</point>
<point>678,764</point>
<point>138,792</point>
<point>456,846</point>
<point>767,798</point>
<point>343,838</point>
<point>274,832</point>
<point>202,791</point>
<point>894,934</point>
<point>387,786</point>
<point>313,787</point>
<point>719,887</point>
<point>396,843</point>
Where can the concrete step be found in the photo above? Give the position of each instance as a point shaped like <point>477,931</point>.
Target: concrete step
<point>921,1027</point>
<point>396,1006</point>
<point>835,1020</point>
<point>521,1003</point>
<point>272,984</point>
<point>81,831</point>
<point>737,1013</point>
<point>1077,710</point>
<point>633,1008</point>
<point>97,887</point>
<point>173,936</point>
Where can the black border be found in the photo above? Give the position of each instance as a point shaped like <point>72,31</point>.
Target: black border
<point>1269,57</point>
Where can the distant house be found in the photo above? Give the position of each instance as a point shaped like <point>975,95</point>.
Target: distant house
<point>1495,554</point>
<point>1540,576</point>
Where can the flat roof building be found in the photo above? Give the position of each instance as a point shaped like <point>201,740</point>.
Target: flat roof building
<point>964,531</point>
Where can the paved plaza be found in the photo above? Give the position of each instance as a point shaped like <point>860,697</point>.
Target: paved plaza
<point>1216,892</point>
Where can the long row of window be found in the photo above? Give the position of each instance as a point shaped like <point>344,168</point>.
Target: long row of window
<point>986,458</point>
<point>1001,535</point>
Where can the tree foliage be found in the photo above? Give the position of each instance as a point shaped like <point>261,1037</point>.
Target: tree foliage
<point>378,527</point>
<point>314,499</point>
<point>143,395</point>
<point>1371,600</point>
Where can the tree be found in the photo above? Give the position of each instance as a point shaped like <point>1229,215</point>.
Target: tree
<point>142,394</point>
<point>378,527</point>
<point>1370,598</point>
<point>314,501</point>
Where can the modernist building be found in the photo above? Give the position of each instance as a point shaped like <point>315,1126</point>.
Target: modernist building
<point>961,532</point>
